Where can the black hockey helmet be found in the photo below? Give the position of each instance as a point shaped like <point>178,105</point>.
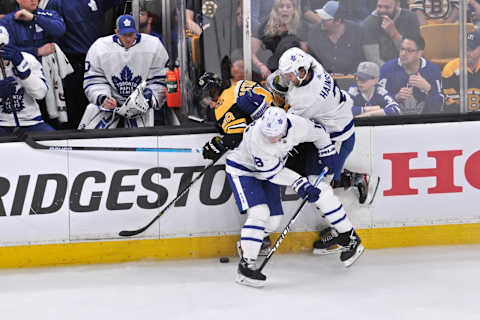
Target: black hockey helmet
<point>211,84</point>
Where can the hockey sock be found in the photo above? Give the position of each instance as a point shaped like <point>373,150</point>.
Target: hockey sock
<point>253,231</point>
<point>332,209</point>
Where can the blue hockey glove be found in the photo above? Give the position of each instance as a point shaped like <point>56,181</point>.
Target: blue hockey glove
<point>7,87</point>
<point>148,94</point>
<point>252,104</point>
<point>306,190</point>
<point>329,157</point>
<point>214,149</point>
<point>12,53</point>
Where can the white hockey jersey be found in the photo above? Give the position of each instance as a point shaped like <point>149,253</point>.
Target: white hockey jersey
<point>113,71</point>
<point>259,158</point>
<point>322,100</point>
<point>27,90</point>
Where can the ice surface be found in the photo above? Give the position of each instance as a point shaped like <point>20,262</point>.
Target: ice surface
<point>407,283</point>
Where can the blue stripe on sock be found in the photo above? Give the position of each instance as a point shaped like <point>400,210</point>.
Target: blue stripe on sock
<point>251,239</point>
<point>253,227</point>
<point>339,220</point>
<point>332,212</point>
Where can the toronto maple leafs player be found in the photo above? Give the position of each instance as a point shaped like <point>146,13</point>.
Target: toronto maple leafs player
<point>256,170</point>
<point>115,67</point>
<point>312,93</point>
<point>24,82</point>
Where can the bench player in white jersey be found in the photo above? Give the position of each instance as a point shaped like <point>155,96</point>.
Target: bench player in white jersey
<point>23,84</point>
<point>118,65</point>
<point>256,170</point>
<point>312,93</point>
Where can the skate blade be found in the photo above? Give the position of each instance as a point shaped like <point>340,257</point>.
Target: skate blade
<point>347,263</point>
<point>241,279</point>
<point>323,252</point>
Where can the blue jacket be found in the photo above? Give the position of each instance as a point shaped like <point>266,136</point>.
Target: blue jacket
<point>380,98</point>
<point>84,20</point>
<point>47,27</point>
<point>393,77</point>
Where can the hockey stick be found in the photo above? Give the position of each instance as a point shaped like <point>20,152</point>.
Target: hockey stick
<point>129,233</point>
<point>35,145</point>
<point>290,223</point>
<point>374,191</point>
<point>12,102</point>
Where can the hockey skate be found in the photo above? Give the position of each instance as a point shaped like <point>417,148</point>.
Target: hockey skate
<point>352,247</point>
<point>367,187</point>
<point>328,242</point>
<point>248,275</point>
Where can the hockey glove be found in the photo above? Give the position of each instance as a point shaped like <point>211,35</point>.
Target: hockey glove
<point>306,190</point>
<point>329,157</point>
<point>12,53</point>
<point>7,87</point>
<point>214,149</point>
<point>252,104</point>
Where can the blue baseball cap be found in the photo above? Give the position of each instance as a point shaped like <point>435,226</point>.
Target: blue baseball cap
<point>125,24</point>
<point>329,10</point>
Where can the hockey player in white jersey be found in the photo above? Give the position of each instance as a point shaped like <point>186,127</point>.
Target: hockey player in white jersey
<point>256,170</point>
<point>115,67</point>
<point>24,82</point>
<point>313,94</point>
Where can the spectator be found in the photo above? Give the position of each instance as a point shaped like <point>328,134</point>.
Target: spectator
<point>445,11</point>
<point>473,12</point>
<point>193,16</point>
<point>7,6</point>
<point>115,67</point>
<point>412,80</point>
<point>283,29</point>
<point>33,29</point>
<point>384,30</point>
<point>369,98</point>
<point>451,77</point>
<point>335,42</point>
<point>84,24</point>
<point>23,84</point>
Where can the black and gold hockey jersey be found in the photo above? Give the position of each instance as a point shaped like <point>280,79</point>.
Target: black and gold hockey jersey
<point>451,87</point>
<point>238,106</point>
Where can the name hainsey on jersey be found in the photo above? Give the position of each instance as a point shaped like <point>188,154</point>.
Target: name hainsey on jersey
<point>322,100</point>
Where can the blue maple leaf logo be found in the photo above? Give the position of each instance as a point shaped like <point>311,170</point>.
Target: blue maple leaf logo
<point>127,83</point>
<point>17,101</point>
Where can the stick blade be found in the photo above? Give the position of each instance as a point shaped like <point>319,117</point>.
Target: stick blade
<point>129,233</point>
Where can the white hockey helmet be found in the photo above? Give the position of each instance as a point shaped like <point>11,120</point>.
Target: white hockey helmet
<point>293,60</point>
<point>4,38</point>
<point>274,122</point>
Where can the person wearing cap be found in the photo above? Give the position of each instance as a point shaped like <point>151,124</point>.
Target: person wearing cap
<point>451,78</point>
<point>413,81</point>
<point>369,98</point>
<point>256,170</point>
<point>384,30</point>
<point>335,42</point>
<point>23,84</point>
<point>115,66</point>
<point>84,21</point>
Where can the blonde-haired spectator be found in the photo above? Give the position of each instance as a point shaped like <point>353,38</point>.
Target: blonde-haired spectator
<point>284,20</point>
